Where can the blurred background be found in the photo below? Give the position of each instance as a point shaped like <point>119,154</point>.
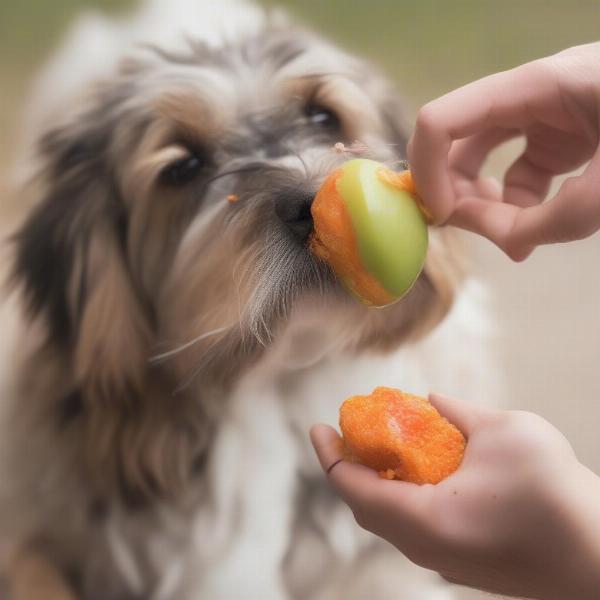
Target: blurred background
<point>547,309</point>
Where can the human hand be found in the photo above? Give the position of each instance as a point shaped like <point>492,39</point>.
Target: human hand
<point>521,516</point>
<point>554,103</point>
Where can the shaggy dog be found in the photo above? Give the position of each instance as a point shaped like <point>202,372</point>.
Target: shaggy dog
<point>165,350</point>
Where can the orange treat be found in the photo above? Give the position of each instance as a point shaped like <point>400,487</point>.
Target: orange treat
<point>369,229</point>
<point>401,436</point>
<point>335,243</point>
<point>404,181</point>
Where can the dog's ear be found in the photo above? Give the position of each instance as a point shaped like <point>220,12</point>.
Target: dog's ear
<point>71,262</point>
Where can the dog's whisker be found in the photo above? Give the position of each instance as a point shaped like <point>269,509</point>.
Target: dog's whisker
<point>301,159</point>
<point>164,355</point>
<point>238,281</point>
<point>322,74</point>
<point>200,367</point>
<point>245,169</point>
<point>188,382</point>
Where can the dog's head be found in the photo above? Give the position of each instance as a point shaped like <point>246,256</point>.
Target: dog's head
<point>137,247</point>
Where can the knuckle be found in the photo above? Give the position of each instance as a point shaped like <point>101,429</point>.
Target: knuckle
<point>500,418</point>
<point>524,417</point>
<point>529,433</point>
<point>574,60</point>
<point>583,217</point>
<point>428,118</point>
<point>518,419</point>
<point>540,69</point>
<point>575,189</point>
<point>547,233</point>
<point>517,252</point>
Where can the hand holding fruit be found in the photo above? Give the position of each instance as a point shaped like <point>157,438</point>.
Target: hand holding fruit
<point>519,517</point>
<point>553,103</point>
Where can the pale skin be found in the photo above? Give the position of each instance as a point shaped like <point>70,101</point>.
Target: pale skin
<point>521,515</point>
<point>553,102</point>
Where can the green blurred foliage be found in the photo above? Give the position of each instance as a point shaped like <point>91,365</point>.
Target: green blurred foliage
<point>428,46</point>
<point>29,27</point>
<point>432,46</point>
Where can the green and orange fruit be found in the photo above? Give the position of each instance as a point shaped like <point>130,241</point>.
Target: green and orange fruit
<point>370,228</point>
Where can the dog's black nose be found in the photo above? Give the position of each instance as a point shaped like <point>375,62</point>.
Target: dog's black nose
<point>293,208</point>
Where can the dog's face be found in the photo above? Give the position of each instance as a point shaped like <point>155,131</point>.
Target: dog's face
<point>177,209</point>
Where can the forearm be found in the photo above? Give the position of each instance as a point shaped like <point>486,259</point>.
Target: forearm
<point>586,567</point>
<point>575,570</point>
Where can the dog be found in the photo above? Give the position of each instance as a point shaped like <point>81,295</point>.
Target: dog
<point>169,338</point>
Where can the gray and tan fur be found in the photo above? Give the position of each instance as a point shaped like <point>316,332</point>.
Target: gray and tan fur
<point>173,347</point>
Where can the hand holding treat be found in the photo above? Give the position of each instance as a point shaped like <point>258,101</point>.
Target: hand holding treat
<point>518,508</point>
<point>520,516</point>
<point>371,231</point>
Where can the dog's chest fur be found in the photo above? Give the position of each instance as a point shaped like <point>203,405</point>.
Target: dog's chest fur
<point>259,504</point>
<point>261,501</point>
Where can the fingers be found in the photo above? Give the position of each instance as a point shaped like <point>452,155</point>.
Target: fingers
<point>454,135</point>
<point>573,213</point>
<point>497,101</point>
<point>525,183</point>
<point>362,488</point>
<point>466,416</point>
<point>468,155</point>
<point>328,446</point>
<point>486,188</point>
<point>550,151</point>
<point>350,480</point>
<point>493,220</point>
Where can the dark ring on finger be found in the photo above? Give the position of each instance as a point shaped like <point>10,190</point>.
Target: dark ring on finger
<point>337,462</point>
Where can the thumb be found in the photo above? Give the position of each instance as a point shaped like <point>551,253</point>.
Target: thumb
<point>464,415</point>
<point>362,488</point>
<point>353,482</point>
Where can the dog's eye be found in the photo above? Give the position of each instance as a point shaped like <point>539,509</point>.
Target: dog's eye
<point>182,171</point>
<point>323,117</point>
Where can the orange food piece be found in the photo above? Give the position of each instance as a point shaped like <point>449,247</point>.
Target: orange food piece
<point>399,179</point>
<point>404,181</point>
<point>334,241</point>
<point>401,436</point>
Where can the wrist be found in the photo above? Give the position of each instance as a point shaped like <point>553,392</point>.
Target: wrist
<point>574,571</point>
